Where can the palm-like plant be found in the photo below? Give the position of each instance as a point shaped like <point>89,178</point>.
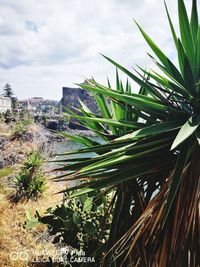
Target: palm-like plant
<point>30,183</point>
<point>151,159</point>
<point>117,118</point>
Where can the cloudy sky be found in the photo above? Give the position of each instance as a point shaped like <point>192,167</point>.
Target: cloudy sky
<point>48,44</point>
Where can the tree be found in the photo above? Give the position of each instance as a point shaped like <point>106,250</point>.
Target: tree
<point>153,171</point>
<point>8,91</point>
<point>14,102</point>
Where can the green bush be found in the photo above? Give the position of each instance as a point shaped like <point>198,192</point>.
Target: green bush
<point>80,223</point>
<point>33,162</point>
<point>30,183</point>
<point>19,130</point>
<point>30,189</point>
<point>28,122</point>
<point>7,116</point>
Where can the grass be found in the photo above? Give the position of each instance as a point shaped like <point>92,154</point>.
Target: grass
<point>6,171</point>
<point>14,237</point>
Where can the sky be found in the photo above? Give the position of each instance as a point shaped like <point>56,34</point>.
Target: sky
<point>48,44</point>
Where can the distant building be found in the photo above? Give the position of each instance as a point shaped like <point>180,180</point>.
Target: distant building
<point>5,104</point>
<point>37,105</point>
<point>35,100</point>
<point>26,105</point>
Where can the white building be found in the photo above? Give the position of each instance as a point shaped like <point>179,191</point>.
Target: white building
<point>5,104</point>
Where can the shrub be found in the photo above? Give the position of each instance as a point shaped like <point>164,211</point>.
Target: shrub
<point>30,189</point>
<point>19,130</point>
<point>33,162</point>
<point>80,223</point>
<point>30,183</point>
<point>7,116</point>
<point>28,122</point>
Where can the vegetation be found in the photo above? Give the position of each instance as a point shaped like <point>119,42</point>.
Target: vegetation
<point>30,183</point>
<point>8,91</point>
<point>14,102</point>
<point>21,127</point>
<point>1,118</point>
<point>13,236</point>
<point>6,171</point>
<point>28,121</point>
<point>7,116</point>
<point>80,223</point>
<point>150,157</point>
<point>19,130</point>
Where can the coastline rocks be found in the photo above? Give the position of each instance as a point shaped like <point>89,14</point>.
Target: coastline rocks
<point>54,138</point>
<point>12,159</point>
<point>26,137</point>
<point>14,150</point>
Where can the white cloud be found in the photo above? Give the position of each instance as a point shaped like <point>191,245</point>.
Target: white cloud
<point>45,45</point>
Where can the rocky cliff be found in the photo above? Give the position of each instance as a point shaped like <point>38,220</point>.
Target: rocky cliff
<point>70,98</point>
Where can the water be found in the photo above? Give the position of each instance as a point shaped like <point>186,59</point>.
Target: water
<point>69,146</point>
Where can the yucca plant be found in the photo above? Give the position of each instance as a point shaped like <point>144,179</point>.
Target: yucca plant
<point>33,163</point>
<point>30,183</point>
<point>117,118</point>
<point>154,166</point>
